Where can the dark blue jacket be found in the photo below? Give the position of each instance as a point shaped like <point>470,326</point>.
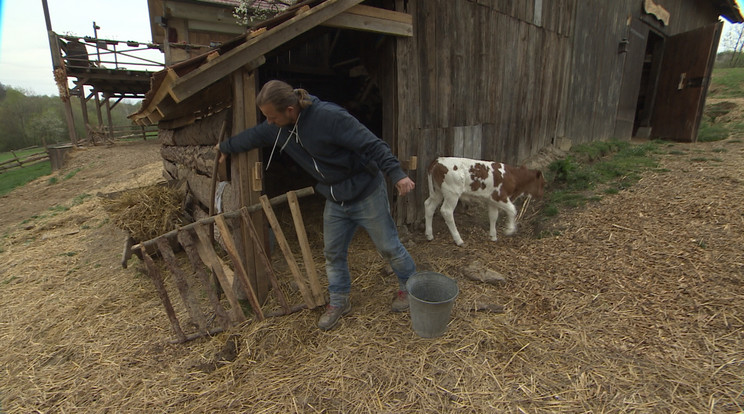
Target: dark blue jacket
<point>330,144</point>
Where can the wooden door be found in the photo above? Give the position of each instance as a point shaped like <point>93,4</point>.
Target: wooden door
<point>683,82</point>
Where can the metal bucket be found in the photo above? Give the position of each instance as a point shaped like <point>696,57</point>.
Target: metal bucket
<point>430,297</point>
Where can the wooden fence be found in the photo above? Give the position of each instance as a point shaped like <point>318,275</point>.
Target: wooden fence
<point>16,162</point>
<point>97,135</point>
<point>103,133</point>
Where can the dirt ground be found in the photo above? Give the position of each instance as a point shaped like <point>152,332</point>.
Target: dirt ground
<point>631,304</point>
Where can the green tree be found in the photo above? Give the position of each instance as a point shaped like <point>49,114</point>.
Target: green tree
<point>47,127</point>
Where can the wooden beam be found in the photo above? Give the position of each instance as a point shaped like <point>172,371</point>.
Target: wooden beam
<point>186,87</point>
<point>162,92</point>
<point>373,19</point>
<point>258,46</point>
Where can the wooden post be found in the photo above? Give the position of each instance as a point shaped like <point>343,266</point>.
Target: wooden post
<point>84,107</point>
<point>60,73</point>
<point>108,116</point>
<point>98,109</point>
<point>245,116</point>
<point>70,120</point>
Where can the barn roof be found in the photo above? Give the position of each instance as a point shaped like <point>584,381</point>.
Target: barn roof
<point>186,79</point>
<point>729,10</point>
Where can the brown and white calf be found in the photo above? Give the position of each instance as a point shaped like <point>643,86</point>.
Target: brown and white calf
<point>451,179</point>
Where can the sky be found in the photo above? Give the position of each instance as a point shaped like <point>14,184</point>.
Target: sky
<point>25,59</point>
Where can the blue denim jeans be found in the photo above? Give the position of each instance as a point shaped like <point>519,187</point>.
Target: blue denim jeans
<point>340,222</point>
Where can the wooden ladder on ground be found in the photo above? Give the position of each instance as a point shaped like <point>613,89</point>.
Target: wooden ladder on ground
<point>196,241</point>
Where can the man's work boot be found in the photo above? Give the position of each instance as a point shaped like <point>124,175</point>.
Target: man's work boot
<point>400,302</point>
<point>329,319</point>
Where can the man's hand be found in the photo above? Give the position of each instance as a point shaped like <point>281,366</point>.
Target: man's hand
<point>223,156</point>
<point>405,185</point>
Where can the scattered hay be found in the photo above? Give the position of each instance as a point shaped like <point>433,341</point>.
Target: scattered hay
<point>147,212</point>
<point>630,304</point>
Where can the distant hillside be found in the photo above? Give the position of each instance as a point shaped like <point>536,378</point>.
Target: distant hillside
<point>723,116</point>
<point>727,83</point>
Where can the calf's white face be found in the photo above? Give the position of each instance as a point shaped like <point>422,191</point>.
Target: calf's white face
<point>452,178</point>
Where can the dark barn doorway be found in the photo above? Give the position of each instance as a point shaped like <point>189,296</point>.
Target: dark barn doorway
<point>649,81</point>
<point>335,65</point>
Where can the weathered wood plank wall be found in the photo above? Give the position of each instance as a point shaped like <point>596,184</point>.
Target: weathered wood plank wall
<point>502,79</point>
<point>481,79</point>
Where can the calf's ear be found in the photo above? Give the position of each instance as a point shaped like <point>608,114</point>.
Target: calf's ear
<point>538,174</point>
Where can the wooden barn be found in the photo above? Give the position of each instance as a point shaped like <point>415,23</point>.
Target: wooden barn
<point>489,79</point>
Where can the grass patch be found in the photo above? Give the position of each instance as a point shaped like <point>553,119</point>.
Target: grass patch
<point>597,168</point>
<point>727,83</point>
<point>79,199</point>
<point>21,176</point>
<point>713,132</point>
<point>71,173</point>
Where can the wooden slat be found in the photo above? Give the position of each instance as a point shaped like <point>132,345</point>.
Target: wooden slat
<point>157,280</point>
<point>187,242</point>
<point>307,254</point>
<point>258,46</point>
<point>183,287</point>
<point>210,258</point>
<point>232,251</point>
<point>247,222</point>
<point>284,246</point>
